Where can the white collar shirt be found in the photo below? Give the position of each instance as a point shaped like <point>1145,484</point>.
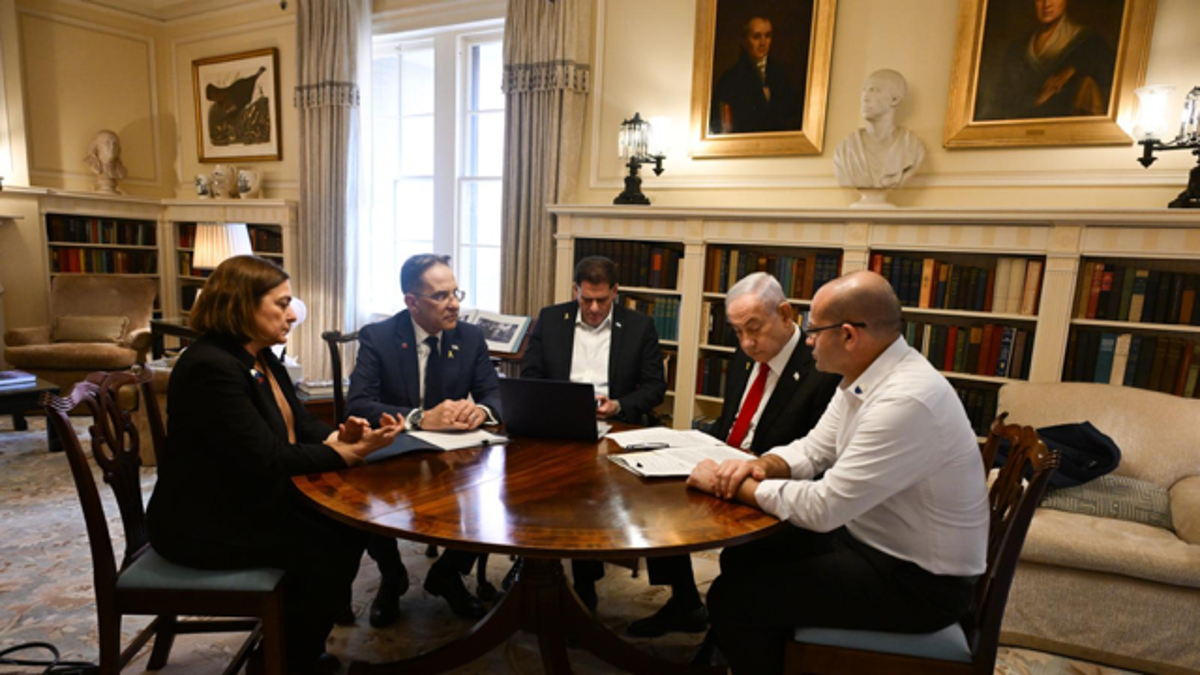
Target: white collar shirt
<point>902,468</point>
<point>589,354</point>
<point>778,364</point>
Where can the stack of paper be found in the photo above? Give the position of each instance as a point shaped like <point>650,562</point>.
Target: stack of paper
<point>675,461</point>
<point>671,437</point>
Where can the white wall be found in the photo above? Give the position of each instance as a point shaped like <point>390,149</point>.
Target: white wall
<point>643,63</point>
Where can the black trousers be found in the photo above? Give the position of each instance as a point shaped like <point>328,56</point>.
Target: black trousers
<point>674,571</point>
<point>320,558</point>
<point>769,587</point>
<point>384,551</point>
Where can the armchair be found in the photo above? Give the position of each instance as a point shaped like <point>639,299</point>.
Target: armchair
<point>65,363</point>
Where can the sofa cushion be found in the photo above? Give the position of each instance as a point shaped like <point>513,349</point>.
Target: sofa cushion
<point>72,328</point>
<point>71,356</point>
<point>1119,497</point>
<point>1114,546</point>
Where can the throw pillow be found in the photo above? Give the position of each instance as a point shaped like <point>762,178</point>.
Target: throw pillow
<point>71,328</point>
<point>1112,496</point>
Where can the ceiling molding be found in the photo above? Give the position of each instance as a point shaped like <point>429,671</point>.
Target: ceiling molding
<point>171,12</point>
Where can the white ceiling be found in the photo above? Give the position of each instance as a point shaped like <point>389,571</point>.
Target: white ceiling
<point>166,10</point>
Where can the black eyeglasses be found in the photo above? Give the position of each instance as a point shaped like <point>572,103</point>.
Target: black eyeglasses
<point>813,330</point>
<point>442,297</point>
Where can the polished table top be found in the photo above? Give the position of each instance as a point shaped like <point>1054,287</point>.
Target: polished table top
<point>533,497</point>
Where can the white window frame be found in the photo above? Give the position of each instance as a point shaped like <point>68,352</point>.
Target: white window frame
<point>451,45</point>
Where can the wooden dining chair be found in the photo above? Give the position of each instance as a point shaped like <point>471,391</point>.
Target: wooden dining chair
<point>334,339</point>
<point>145,583</point>
<point>968,647</point>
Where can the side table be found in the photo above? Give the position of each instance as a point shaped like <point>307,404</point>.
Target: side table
<point>17,402</point>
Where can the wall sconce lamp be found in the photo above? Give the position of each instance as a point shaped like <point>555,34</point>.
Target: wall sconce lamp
<point>634,143</point>
<point>1152,109</point>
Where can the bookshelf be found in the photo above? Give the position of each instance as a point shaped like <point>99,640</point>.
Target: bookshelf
<point>1136,324</point>
<point>1041,305</point>
<point>102,236</point>
<point>265,239</point>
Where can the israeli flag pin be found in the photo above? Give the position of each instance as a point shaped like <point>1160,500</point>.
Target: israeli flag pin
<point>796,376</point>
<point>618,324</point>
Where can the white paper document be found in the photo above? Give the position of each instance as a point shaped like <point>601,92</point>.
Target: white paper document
<point>674,461</point>
<point>457,440</point>
<point>672,437</point>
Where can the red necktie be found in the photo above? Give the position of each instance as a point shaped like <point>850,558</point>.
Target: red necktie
<point>749,407</point>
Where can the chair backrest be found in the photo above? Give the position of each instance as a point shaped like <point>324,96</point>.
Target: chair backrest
<point>1012,501</point>
<point>115,446</point>
<point>334,339</point>
<point>104,295</point>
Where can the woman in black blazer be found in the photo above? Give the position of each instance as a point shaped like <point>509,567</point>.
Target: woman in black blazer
<point>235,436</point>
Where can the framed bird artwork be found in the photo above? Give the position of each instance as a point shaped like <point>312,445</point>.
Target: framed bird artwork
<point>237,107</point>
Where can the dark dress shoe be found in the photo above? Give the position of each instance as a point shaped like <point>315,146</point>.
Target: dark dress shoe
<point>586,591</point>
<point>512,574</point>
<point>345,617</point>
<point>385,608</point>
<point>673,617</point>
<point>449,585</point>
<point>708,654</point>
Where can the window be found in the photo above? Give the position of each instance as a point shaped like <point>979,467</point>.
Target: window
<point>437,159</point>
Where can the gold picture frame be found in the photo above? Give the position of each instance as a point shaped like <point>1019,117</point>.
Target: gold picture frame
<point>794,69</point>
<point>1002,95</point>
<point>237,107</point>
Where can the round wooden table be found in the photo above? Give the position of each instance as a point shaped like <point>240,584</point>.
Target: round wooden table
<point>544,500</point>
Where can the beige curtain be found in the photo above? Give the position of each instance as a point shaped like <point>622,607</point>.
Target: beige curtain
<point>547,49</point>
<point>327,96</point>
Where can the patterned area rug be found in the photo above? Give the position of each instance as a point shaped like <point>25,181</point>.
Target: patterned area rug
<point>46,589</point>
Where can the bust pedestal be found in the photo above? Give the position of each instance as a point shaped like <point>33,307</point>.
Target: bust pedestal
<point>873,198</point>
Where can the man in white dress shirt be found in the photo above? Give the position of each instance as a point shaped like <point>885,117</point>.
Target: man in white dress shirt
<point>893,533</point>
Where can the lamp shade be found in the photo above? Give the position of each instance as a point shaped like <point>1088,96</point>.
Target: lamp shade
<point>1152,111</point>
<point>216,242</point>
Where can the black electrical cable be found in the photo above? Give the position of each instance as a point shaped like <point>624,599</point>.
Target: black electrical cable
<point>55,666</point>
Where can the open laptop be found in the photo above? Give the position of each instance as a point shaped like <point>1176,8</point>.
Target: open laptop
<point>550,409</point>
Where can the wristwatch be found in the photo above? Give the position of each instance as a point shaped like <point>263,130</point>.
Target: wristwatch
<point>415,418</point>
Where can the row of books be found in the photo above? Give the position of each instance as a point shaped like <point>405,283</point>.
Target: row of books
<point>711,373</point>
<point>991,349</point>
<point>800,275</point>
<point>1119,293</point>
<point>980,404</point>
<point>1166,364</point>
<point>186,269</point>
<point>664,311</point>
<point>638,263</point>
<point>80,230</point>
<point>103,261</point>
<point>1013,286</point>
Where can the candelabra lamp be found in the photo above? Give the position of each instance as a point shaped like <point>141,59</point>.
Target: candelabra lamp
<point>634,146</point>
<point>1151,125</point>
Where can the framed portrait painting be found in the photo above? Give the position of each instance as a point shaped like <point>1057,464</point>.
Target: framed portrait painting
<point>1047,72</point>
<point>761,77</point>
<point>237,107</point>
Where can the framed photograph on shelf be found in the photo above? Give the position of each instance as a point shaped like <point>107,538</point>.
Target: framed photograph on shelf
<point>237,107</point>
<point>761,77</point>
<point>504,333</point>
<point>1038,72</point>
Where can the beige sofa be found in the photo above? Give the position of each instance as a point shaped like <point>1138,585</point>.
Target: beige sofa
<point>1106,590</point>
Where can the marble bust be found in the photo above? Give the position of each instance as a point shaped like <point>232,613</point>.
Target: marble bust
<point>880,155</point>
<point>104,159</point>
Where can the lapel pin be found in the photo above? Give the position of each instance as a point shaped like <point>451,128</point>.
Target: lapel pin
<point>566,316</point>
<point>454,346</point>
<point>796,376</point>
<point>450,354</point>
<point>403,345</point>
<point>858,390</point>
<point>618,324</point>
<point>748,366</point>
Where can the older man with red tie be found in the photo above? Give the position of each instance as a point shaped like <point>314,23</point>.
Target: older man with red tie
<point>773,396</point>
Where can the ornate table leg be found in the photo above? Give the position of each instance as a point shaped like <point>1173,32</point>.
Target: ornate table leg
<point>540,602</point>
